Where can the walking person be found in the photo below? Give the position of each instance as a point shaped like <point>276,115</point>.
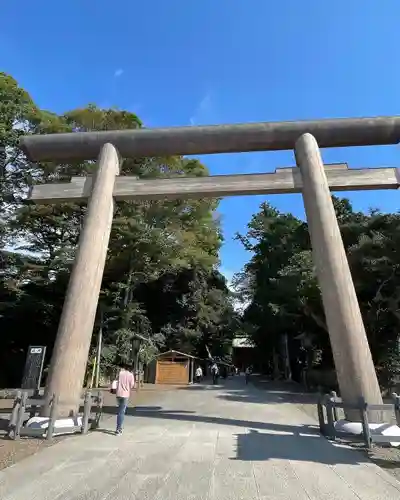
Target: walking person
<point>214,373</point>
<point>247,374</point>
<point>122,387</point>
<point>199,374</point>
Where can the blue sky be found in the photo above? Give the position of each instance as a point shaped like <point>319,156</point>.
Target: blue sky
<point>182,62</point>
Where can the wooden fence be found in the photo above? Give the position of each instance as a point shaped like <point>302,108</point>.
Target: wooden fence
<point>328,406</point>
<point>25,404</point>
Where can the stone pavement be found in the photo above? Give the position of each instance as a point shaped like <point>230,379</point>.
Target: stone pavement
<point>229,442</point>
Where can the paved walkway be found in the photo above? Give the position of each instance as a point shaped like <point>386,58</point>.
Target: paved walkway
<point>228,443</point>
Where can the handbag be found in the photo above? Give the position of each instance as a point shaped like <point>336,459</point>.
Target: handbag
<point>114,387</point>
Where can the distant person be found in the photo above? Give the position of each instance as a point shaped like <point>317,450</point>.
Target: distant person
<point>247,374</point>
<point>122,386</point>
<point>214,373</point>
<point>199,374</point>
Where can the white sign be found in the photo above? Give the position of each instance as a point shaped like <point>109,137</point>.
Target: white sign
<point>36,350</point>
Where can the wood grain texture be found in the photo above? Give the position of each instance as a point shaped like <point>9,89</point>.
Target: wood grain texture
<point>284,180</point>
<point>169,372</point>
<point>264,136</point>
<point>70,353</point>
<point>353,361</point>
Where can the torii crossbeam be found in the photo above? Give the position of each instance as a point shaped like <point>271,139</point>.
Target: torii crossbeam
<point>353,361</point>
<point>284,180</point>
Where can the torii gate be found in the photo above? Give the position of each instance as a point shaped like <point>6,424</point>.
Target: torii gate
<point>353,361</point>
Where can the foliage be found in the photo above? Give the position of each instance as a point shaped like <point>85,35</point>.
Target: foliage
<point>281,285</point>
<point>161,279</point>
<point>155,247</point>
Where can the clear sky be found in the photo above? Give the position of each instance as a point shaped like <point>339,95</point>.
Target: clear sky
<point>182,62</point>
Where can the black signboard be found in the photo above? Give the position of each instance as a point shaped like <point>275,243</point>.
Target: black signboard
<point>33,367</point>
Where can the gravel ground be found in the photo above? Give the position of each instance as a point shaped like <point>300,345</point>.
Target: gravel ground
<point>13,451</point>
<point>386,457</point>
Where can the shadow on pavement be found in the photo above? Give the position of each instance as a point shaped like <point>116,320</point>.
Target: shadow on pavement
<point>270,397</point>
<point>190,416</point>
<point>139,411</point>
<point>386,464</point>
<point>202,387</point>
<point>258,391</point>
<point>260,446</point>
<point>106,431</point>
<point>286,442</point>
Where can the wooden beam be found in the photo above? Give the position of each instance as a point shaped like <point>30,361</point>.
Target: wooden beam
<point>71,348</point>
<point>284,180</point>
<point>353,361</point>
<point>264,136</point>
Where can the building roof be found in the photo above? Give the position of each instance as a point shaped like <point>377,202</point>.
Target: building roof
<point>178,353</point>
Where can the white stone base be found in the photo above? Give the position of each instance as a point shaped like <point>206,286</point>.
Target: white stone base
<point>355,428</point>
<point>43,423</point>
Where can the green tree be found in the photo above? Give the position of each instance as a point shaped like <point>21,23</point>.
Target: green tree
<point>282,287</point>
<point>152,243</point>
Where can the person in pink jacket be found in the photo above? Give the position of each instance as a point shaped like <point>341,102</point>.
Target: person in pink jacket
<point>125,383</point>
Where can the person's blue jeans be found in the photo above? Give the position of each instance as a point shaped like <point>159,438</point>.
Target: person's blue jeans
<point>122,404</point>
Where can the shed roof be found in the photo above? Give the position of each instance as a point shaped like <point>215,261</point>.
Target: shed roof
<point>178,353</point>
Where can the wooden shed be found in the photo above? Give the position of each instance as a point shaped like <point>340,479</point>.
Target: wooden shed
<point>172,367</point>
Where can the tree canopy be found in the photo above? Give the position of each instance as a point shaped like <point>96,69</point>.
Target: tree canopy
<point>280,284</point>
<point>161,277</point>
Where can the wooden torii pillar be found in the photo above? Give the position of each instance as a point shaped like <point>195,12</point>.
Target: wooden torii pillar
<point>71,348</point>
<point>353,361</point>
<point>356,373</point>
